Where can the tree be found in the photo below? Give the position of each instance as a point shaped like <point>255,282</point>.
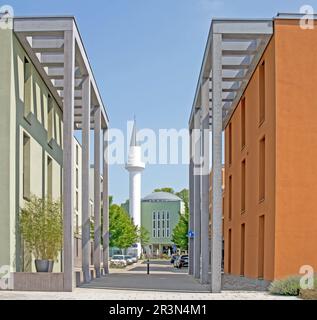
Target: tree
<point>123,233</point>
<point>144,236</point>
<point>180,232</point>
<point>166,189</point>
<point>184,195</point>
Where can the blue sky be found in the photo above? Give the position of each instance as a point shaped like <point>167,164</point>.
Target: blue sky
<point>146,57</point>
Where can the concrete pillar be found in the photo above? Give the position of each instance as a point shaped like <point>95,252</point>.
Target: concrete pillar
<point>205,183</point>
<point>197,177</point>
<point>105,203</point>
<point>216,242</point>
<point>86,247</point>
<point>97,191</point>
<point>68,156</point>
<point>191,206</point>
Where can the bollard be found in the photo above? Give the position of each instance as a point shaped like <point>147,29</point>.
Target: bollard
<point>148,266</point>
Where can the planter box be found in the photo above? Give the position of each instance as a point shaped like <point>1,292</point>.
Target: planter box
<point>31,281</point>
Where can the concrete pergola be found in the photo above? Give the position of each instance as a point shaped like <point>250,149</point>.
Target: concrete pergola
<point>233,50</point>
<point>55,47</point>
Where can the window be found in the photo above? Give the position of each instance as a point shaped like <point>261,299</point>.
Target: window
<point>163,215</point>
<point>77,201</point>
<point>262,169</point>
<point>229,250</point>
<point>26,167</point>
<point>77,247</point>
<point>167,233</point>
<point>262,93</point>
<point>230,144</point>
<point>243,185</point>
<point>77,224</point>
<point>242,250</point>
<point>167,215</point>
<point>230,197</point>
<point>77,178</point>
<point>49,177</point>
<point>77,155</point>
<point>27,87</point>
<point>163,232</point>
<point>50,118</point>
<point>154,224</point>
<point>243,123</point>
<point>261,248</point>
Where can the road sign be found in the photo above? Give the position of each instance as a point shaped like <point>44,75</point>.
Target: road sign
<point>191,234</point>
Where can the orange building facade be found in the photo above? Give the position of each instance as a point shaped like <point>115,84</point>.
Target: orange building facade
<point>270,219</point>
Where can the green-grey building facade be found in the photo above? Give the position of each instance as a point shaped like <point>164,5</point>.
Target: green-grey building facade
<point>159,215</point>
<point>48,94</point>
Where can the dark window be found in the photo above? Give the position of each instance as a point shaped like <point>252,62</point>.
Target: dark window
<point>26,167</point>
<point>243,123</point>
<point>243,184</point>
<point>262,92</point>
<point>262,169</point>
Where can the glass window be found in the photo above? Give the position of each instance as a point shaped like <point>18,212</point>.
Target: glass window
<point>158,233</point>
<point>163,231</point>
<point>154,215</point>
<point>167,232</point>
<point>167,215</point>
<point>158,216</point>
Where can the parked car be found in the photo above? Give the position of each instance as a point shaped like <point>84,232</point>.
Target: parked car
<point>173,258</point>
<point>118,261</point>
<point>182,261</point>
<point>134,258</point>
<point>128,259</point>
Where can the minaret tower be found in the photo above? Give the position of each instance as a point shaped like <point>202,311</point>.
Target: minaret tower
<point>135,166</point>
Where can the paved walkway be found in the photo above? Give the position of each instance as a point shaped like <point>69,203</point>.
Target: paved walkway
<point>163,283</point>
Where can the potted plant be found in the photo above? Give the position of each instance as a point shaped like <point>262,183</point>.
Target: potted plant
<point>41,227</point>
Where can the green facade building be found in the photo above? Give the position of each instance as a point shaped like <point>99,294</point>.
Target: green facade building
<point>159,216</point>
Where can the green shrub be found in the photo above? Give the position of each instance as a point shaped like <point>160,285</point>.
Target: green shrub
<point>41,227</point>
<point>289,286</point>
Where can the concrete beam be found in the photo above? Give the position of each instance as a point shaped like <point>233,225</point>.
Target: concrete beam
<point>68,161</point>
<point>197,195</point>
<point>86,247</point>
<point>105,200</point>
<point>191,205</point>
<point>204,189</point>
<point>216,234</point>
<point>97,192</point>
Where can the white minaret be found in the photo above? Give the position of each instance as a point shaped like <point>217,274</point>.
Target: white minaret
<point>135,166</point>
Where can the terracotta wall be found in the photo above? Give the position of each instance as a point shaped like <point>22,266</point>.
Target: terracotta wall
<point>254,208</point>
<point>296,149</point>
